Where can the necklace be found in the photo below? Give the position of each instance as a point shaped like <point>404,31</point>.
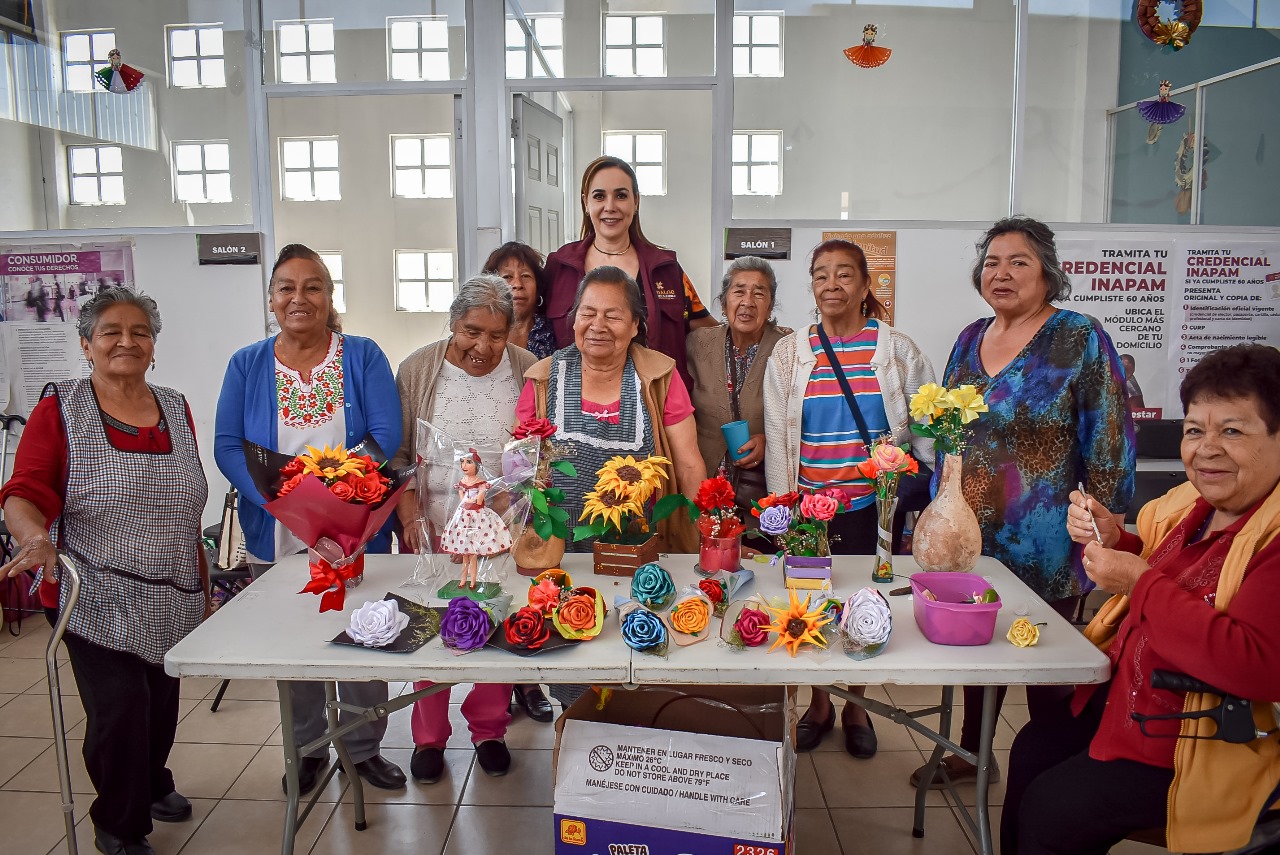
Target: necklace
<point>607,252</point>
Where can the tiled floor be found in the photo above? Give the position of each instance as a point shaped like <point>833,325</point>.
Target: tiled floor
<point>229,764</point>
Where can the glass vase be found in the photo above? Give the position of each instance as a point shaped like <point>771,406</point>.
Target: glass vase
<point>719,553</point>
<point>883,569</point>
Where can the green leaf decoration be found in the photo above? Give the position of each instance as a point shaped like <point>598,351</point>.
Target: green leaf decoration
<point>565,468</point>
<point>542,527</point>
<point>558,514</point>
<point>582,532</point>
<point>555,496</point>
<point>538,500</point>
<point>668,505</point>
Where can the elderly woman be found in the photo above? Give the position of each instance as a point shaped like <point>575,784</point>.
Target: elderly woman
<point>110,463</point>
<point>611,235</point>
<point>309,385</point>
<point>815,438</point>
<point>608,395</point>
<point>466,386</point>
<point>521,266</point>
<point>1055,389</point>
<point>727,365</point>
<point>1202,578</point>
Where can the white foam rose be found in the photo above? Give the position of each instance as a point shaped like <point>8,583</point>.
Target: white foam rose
<point>377,624</point>
<point>866,617</point>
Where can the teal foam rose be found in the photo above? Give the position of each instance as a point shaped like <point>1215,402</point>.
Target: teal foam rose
<point>651,586</point>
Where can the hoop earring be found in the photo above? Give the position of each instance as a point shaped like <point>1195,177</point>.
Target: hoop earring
<point>541,301</point>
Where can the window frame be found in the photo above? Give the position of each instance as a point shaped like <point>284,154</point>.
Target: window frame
<point>312,168</point>
<point>98,174</point>
<point>751,164</point>
<point>640,164</point>
<point>198,58</point>
<point>339,281</point>
<point>423,167</point>
<point>419,52</point>
<point>308,53</point>
<point>751,44</point>
<point>204,172</point>
<point>94,65</point>
<point>532,68</point>
<point>633,46</point>
<point>425,283</point>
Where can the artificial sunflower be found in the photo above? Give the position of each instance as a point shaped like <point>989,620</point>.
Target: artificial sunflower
<point>609,506</point>
<point>331,463</point>
<point>635,479</point>
<point>968,401</point>
<point>797,625</point>
<point>929,401</point>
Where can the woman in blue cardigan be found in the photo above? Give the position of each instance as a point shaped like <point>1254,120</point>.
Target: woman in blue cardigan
<point>308,385</point>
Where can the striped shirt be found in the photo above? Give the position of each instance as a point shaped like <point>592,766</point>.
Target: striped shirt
<point>830,444</point>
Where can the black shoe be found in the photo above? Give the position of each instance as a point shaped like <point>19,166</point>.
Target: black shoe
<point>533,702</point>
<point>172,808</point>
<point>493,757</point>
<point>427,765</point>
<point>381,773</point>
<point>109,844</point>
<point>309,769</point>
<point>809,733</point>
<point>860,739</point>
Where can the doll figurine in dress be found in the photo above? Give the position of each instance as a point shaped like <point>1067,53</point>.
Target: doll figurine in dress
<point>474,529</point>
<point>868,54</point>
<point>118,77</point>
<point>1160,112</point>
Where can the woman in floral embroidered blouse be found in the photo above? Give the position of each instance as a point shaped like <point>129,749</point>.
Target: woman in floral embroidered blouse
<point>308,385</point>
<point>1055,388</point>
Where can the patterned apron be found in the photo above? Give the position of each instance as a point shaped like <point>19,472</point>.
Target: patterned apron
<point>589,441</point>
<point>131,522</point>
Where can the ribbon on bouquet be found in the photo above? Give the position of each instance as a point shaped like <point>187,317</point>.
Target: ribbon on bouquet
<point>331,573</point>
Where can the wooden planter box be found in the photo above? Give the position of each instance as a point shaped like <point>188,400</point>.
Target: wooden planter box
<point>623,559</point>
<point>806,572</point>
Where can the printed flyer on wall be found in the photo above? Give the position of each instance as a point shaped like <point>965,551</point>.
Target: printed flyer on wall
<point>47,284</point>
<point>1128,286</point>
<point>1229,294</point>
<point>881,249</point>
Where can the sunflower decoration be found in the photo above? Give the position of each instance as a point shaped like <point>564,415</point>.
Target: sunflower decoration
<point>796,624</point>
<point>615,511</point>
<point>330,464</point>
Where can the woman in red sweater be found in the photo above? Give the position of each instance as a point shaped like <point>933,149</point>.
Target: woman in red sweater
<point>1202,580</point>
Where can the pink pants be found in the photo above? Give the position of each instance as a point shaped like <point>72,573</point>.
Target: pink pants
<point>486,710</point>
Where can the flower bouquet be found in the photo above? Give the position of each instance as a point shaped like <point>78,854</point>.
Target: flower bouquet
<point>883,468</point>
<point>616,513</point>
<point>393,624</point>
<point>746,624</point>
<point>541,544</point>
<point>332,499</point>
<point>690,617</point>
<point>533,628</point>
<point>721,587</point>
<point>797,625</point>
<point>580,615</point>
<point>799,523</point>
<point>947,536</point>
<point>466,624</point>
<point>651,587</point>
<point>865,624</point>
<point>721,545</point>
<point>642,630</point>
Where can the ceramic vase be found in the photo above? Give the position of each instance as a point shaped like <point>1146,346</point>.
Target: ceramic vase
<point>947,536</point>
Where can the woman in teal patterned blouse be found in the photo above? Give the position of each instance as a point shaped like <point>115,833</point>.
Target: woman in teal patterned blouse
<point>1055,388</point>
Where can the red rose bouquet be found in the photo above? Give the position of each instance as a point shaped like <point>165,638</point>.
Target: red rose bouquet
<point>718,513</point>
<point>334,500</point>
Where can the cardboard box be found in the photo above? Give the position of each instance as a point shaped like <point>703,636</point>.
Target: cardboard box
<point>694,770</point>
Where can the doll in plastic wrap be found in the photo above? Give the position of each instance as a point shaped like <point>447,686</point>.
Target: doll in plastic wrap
<point>474,530</point>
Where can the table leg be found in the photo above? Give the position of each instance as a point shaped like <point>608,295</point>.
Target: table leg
<point>290,768</point>
<point>984,767</point>
<point>935,759</point>
<point>357,785</point>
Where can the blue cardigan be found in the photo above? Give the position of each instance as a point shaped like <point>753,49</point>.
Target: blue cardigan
<point>247,410</point>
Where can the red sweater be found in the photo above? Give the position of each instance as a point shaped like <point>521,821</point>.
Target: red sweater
<point>40,464</point>
<point>1173,625</point>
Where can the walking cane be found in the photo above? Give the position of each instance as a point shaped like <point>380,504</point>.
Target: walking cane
<point>68,576</point>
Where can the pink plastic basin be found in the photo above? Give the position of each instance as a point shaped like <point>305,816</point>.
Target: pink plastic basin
<point>950,620</point>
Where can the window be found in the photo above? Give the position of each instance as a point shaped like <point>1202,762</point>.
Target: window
<point>424,280</point>
<point>645,151</point>
<point>418,48</point>
<point>309,169</point>
<point>522,60</point>
<point>84,54</point>
<point>420,167</point>
<point>757,45</point>
<point>757,163</point>
<point>195,56</point>
<point>633,46</point>
<point>333,261</point>
<point>305,51</point>
<point>202,171</point>
<point>97,174</point>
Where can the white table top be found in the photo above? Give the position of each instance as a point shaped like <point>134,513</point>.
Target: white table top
<point>1160,464</point>
<point>271,632</point>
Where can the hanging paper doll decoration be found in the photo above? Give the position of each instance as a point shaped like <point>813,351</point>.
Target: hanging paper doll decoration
<point>1160,111</point>
<point>119,77</point>
<point>1169,23</point>
<point>474,529</point>
<point>868,54</point>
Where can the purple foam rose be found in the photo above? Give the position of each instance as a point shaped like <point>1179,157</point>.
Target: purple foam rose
<point>775,520</point>
<point>465,626</point>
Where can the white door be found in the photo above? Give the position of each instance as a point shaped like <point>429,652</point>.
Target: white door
<point>539,175</point>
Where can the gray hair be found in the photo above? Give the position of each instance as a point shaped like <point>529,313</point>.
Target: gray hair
<point>92,311</point>
<point>1040,238</point>
<point>485,291</point>
<point>610,275</point>
<point>754,263</point>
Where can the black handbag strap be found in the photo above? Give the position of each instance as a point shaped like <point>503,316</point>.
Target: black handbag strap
<point>844,387</point>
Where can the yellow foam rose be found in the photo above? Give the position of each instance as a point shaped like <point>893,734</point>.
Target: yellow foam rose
<point>1024,633</point>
